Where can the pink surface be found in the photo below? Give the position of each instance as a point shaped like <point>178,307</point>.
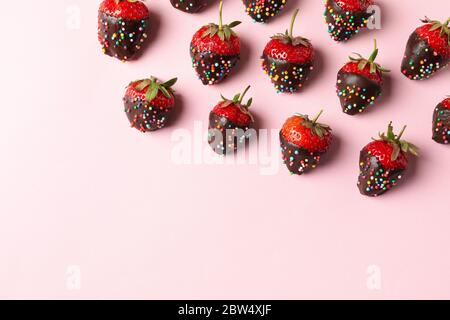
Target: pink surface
<point>80,188</point>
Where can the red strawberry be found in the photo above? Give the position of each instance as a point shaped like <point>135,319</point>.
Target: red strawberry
<point>189,6</point>
<point>263,10</point>
<point>427,50</point>
<point>122,27</point>
<point>383,163</point>
<point>359,83</point>
<point>303,142</point>
<point>215,51</point>
<point>288,60</point>
<point>346,17</point>
<point>441,122</point>
<point>229,124</point>
<point>149,103</point>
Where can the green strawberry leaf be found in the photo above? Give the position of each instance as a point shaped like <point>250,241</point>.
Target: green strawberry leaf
<point>234,24</point>
<point>143,84</point>
<point>152,92</point>
<point>165,92</point>
<point>395,152</point>
<point>153,87</point>
<point>170,83</point>
<point>227,33</point>
<point>221,35</point>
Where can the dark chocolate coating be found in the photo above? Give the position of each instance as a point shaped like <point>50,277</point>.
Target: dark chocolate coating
<point>374,180</point>
<point>114,36</point>
<point>441,124</point>
<point>356,92</point>
<point>277,70</point>
<point>420,60</point>
<point>263,10</point>
<point>342,24</point>
<point>212,68</point>
<point>298,160</point>
<point>189,6</point>
<point>144,116</point>
<point>226,137</point>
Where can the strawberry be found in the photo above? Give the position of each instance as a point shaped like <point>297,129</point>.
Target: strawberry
<point>229,124</point>
<point>441,122</point>
<point>383,163</point>
<point>215,50</point>
<point>149,103</point>
<point>359,83</point>
<point>427,50</point>
<point>263,10</point>
<point>303,142</point>
<point>189,6</point>
<point>288,60</point>
<point>345,18</point>
<point>122,28</point>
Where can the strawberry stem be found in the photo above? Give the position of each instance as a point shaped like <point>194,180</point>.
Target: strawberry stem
<point>374,54</point>
<point>317,117</point>
<point>243,94</point>
<point>401,133</point>
<point>220,15</point>
<point>292,23</point>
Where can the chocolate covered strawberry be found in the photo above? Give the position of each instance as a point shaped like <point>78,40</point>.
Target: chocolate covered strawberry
<point>427,50</point>
<point>263,10</point>
<point>122,28</point>
<point>288,60</point>
<point>345,18</point>
<point>360,83</point>
<point>304,142</point>
<point>189,6</point>
<point>441,122</point>
<point>149,103</point>
<point>229,124</point>
<point>215,50</point>
<point>384,162</point>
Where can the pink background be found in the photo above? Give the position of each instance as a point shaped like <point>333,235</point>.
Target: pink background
<point>79,187</point>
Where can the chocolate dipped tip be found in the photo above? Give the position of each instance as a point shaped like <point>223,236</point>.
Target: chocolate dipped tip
<point>343,24</point>
<point>298,160</point>
<point>375,180</point>
<point>421,61</point>
<point>263,10</point>
<point>189,6</point>
<point>441,124</point>
<point>123,39</point>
